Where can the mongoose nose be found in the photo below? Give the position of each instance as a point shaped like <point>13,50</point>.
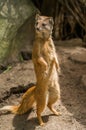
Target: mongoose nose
<point>37,29</point>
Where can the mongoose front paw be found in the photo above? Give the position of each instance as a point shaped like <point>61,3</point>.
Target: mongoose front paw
<point>59,70</point>
<point>45,66</point>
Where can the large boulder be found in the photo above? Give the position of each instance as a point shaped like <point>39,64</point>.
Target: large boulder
<point>16,28</point>
<point>78,55</point>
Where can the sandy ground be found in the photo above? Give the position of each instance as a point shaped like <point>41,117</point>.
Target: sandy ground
<point>73,95</point>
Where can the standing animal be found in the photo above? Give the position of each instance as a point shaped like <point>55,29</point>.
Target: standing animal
<point>46,66</point>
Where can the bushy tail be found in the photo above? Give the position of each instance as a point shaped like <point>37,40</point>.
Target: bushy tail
<point>26,103</point>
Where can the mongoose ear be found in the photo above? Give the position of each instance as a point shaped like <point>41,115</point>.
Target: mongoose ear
<point>51,20</point>
<point>37,16</point>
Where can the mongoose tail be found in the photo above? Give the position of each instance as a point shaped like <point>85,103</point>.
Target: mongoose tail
<point>25,105</point>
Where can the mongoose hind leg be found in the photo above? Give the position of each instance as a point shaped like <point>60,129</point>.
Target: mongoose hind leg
<point>40,104</point>
<point>53,110</point>
<point>40,108</point>
<point>53,97</point>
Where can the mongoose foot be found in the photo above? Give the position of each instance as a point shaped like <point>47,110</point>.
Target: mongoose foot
<point>57,113</point>
<point>53,110</point>
<point>42,124</point>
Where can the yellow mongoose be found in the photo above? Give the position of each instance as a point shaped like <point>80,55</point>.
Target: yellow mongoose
<point>46,91</point>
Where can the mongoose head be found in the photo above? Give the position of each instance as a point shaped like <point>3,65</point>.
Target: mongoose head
<point>43,26</point>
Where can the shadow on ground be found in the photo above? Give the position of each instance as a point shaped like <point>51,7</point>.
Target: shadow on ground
<point>23,123</point>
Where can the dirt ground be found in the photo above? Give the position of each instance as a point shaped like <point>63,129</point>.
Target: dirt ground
<point>73,94</point>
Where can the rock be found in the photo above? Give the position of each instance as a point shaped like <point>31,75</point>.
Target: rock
<point>84,80</point>
<point>70,43</point>
<point>16,24</point>
<point>79,56</point>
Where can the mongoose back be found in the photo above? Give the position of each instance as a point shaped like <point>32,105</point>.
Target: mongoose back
<point>46,66</point>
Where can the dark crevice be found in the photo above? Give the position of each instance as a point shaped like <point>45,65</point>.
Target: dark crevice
<point>2,68</point>
<point>26,55</point>
<point>15,90</point>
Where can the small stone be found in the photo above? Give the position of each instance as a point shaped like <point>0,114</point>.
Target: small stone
<point>84,80</point>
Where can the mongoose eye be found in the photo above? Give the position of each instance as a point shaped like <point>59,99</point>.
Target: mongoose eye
<point>43,24</point>
<point>36,23</point>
